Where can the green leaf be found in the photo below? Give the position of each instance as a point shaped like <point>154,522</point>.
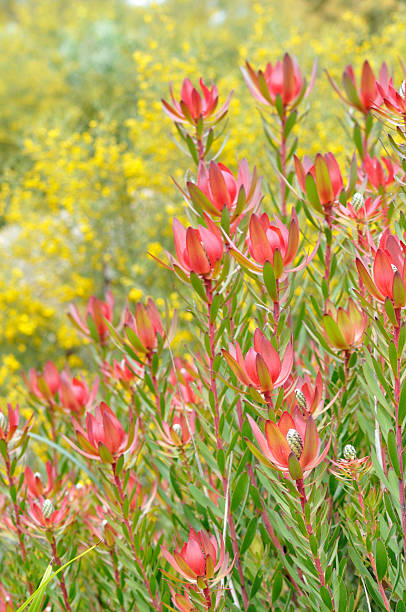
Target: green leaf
<point>390,311</point>
<point>239,491</point>
<point>393,357</point>
<point>270,280</point>
<point>381,559</point>
<point>393,452</point>
<point>249,535</point>
<point>402,404</point>
<point>312,195</point>
<point>276,586</point>
<point>295,470</point>
<point>198,286</point>
<point>326,597</point>
<point>290,122</point>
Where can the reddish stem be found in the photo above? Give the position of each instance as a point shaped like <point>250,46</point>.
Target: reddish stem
<point>58,564</point>
<point>282,153</point>
<point>369,554</point>
<point>309,529</point>
<point>399,444</point>
<point>16,509</point>
<point>200,148</point>
<point>116,574</point>
<point>329,230</point>
<point>212,331</point>
<point>155,384</point>
<point>117,481</point>
<point>212,342</point>
<point>206,593</point>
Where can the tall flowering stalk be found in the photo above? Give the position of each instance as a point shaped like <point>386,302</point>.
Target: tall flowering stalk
<point>281,88</point>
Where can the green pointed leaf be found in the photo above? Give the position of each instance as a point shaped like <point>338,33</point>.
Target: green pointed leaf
<point>381,559</point>
<point>393,453</point>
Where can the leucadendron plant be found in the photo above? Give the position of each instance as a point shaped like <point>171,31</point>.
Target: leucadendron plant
<point>259,463</point>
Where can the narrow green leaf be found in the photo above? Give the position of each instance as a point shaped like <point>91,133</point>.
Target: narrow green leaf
<point>393,453</point>
<point>381,559</point>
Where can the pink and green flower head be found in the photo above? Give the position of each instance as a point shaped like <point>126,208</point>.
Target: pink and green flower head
<point>193,105</point>
<point>344,328</point>
<point>283,79</point>
<point>293,434</point>
<point>368,96</point>
<point>201,559</point>
<point>387,280</point>
<point>261,368</point>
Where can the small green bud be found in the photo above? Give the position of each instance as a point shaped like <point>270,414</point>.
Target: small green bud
<point>350,454</point>
<point>47,508</point>
<point>357,201</point>
<point>300,398</point>
<point>295,442</point>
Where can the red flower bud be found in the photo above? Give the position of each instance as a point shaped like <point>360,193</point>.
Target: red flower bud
<point>193,106</point>
<point>284,79</point>
<point>368,96</point>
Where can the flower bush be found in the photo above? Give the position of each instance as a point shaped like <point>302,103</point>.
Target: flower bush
<point>212,402</point>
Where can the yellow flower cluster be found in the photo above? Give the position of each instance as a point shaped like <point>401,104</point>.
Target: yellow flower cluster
<point>86,152</point>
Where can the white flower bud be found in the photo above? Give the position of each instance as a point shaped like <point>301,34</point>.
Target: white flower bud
<point>295,442</point>
<point>350,454</point>
<point>3,423</point>
<point>394,268</point>
<point>357,201</point>
<point>177,429</point>
<point>300,398</point>
<point>47,508</point>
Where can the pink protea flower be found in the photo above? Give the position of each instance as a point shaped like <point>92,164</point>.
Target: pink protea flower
<point>261,367</point>
<point>143,327</point>
<point>284,79</point>
<point>104,437</point>
<point>307,393</point>
<point>193,106</point>
<point>75,395</point>
<point>344,328</point>
<point>124,371</point>
<point>9,430</point>
<point>360,209</point>
<point>379,174</point>
<point>394,101</point>
<point>217,188</point>
<point>97,524</point>
<point>198,250</point>
<point>34,483</point>
<point>97,312</point>
<point>201,560</point>
<point>327,178</point>
<point>368,96</point>
<point>293,433</point>
<point>388,278</point>
<point>273,242</point>
<point>42,514</point>
<point>349,467</point>
<point>178,434</point>
<point>266,238</point>
<point>183,375</point>
<point>44,386</point>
